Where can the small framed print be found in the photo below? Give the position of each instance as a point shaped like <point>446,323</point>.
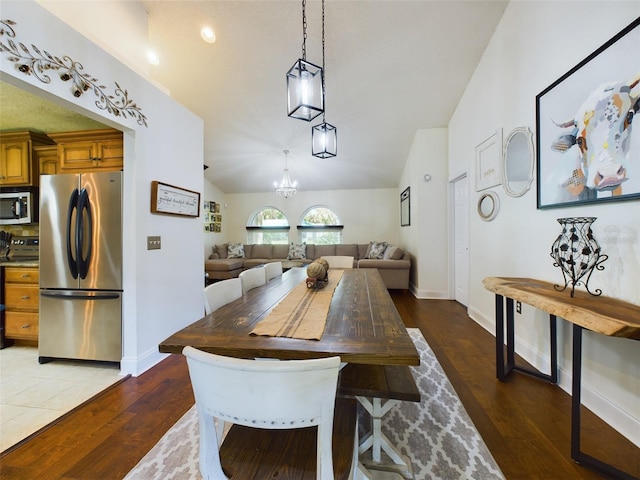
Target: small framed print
<point>171,200</point>
<point>489,162</point>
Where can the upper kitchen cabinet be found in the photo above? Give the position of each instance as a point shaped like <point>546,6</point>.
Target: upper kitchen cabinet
<point>18,162</point>
<point>90,150</point>
<point>48,159</point>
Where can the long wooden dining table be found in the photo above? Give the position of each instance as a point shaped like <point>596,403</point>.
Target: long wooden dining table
<point>363,325</point>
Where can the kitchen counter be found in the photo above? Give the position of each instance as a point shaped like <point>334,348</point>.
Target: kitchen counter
<point>20,262</point>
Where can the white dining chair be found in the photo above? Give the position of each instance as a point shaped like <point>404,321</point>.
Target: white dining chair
<point>271,405</point>
<point>252,278</point>
<point>339,261</point>
<point>272,270</point>
<point>220,293</point>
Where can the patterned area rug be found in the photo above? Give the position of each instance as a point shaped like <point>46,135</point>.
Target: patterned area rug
<point>436,434</point>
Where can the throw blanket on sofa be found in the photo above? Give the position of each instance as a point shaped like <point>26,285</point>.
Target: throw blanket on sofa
<point>302,313</point>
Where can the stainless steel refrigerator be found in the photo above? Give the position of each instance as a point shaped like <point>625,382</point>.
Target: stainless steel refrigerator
<point>81,267</point>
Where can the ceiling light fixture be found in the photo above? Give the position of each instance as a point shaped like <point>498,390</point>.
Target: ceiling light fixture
<point>208,35</point>
<point>286,188</point>
<point>152,58</point>
<point>305,99</point>
<point>324,137</point>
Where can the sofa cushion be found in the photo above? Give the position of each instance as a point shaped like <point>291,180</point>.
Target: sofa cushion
<point>224,264</point>
<point>347,250</point>
<point>325,251</point>
<point>363,248</point>
<point>297,251</point>
<point>221,250</point>
<point>280,252</point>
<point>262,251</point>
<point>393,252</point>
<point>235,250</point>
<point>248,249</point>
<point>376,250</point>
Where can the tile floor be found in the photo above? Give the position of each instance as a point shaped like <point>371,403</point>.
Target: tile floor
<point>33,395</point>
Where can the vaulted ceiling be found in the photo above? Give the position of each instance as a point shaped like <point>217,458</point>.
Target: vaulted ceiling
<point>392,67</point>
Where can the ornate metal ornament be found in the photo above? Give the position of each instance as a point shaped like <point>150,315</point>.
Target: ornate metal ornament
<point>577,253</point>
<point>40,63</point>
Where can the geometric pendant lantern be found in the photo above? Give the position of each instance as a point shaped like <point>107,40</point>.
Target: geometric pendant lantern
<point>305,95</point>
<point>324,139</point>
<point>305,100</point>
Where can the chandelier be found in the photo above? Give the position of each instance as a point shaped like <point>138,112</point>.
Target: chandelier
<point>286,188</point>
<point>305,95</point>
<point>324,137</point>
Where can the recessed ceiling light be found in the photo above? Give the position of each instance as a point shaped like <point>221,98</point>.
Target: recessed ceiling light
<point>208,35</point>
<point>153,58</point>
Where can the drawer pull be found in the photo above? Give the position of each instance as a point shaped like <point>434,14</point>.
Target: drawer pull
<point>25,297</point>
<point>26,325</point>
<point>25,275</point>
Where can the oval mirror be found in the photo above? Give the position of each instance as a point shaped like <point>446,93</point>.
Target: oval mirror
<point>488,206</point>
<point>518,162</point>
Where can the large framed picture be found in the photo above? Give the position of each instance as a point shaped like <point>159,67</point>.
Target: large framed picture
<point>588,149</point>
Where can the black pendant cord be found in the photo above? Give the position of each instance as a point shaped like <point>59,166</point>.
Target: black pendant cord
<point>324,71</point>
<point>304,30</point>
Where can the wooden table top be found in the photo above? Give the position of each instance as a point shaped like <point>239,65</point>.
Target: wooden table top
<point>606,315</point>
<point>363,325</point>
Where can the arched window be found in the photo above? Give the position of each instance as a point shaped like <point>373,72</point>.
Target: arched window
<point>320,225</point>
<point>268,225</point>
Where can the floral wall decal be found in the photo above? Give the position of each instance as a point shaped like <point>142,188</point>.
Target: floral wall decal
<point>40,63</point>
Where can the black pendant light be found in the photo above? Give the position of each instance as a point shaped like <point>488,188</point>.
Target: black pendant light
<point>305,93</point>
<point>324,137</point>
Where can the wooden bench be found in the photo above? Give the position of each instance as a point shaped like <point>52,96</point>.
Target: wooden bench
<point>372,385</point>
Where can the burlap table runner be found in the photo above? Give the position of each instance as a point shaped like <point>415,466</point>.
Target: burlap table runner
<point>302,313</point>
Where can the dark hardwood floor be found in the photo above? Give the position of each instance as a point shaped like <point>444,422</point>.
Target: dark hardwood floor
<point>525,422</point>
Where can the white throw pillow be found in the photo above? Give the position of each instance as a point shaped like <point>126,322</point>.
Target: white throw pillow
<point>235,250</point>
<point>297,251</point>
<point>376,250</point>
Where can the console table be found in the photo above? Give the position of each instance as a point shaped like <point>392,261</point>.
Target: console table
<point>605,315</point>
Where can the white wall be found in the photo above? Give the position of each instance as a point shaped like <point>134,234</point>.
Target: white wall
<point>161,287</point>
<point>426,237</point>
<point>367,214</point>
<point>535,44</point>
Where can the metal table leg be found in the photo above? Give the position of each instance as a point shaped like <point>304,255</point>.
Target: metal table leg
<point>503,369</point>
<point>580,457</point>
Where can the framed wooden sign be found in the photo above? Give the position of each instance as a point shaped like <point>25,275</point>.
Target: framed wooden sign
<point>171,200</point>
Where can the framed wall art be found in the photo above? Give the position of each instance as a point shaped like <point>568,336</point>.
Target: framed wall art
<point>588,150</point>
<point>405,207</point>
<point>171,200</point>
<point>489,162</point>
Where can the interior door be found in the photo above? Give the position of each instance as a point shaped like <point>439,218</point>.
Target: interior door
<point>461,240</point>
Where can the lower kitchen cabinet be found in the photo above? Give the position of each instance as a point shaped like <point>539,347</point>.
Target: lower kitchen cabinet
<point>21,297</point>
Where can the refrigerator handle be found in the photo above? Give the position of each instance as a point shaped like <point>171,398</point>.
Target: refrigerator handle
<point>84,235</point>
<point>71,259</point>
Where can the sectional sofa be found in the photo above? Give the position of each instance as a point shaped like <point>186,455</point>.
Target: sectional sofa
<point>392,262</point>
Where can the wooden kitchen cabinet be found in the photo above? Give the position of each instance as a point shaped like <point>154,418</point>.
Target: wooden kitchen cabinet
<point>21,298</point>
<point>47,160</point>
<point>18,161</point>
<point>89,151</point>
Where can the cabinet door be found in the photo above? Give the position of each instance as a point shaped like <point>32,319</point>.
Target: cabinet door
<point>76,156</point>
<point>47,158</point>
<point>14,163</point>
<point>110,154</point>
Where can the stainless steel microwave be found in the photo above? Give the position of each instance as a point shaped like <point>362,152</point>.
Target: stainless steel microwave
<point>18,205</point>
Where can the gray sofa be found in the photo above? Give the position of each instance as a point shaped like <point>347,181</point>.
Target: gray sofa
<point>394,266</point>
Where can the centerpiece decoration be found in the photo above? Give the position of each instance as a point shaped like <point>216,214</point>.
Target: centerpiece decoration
<point>318,273</point>
<point>577,253</point>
